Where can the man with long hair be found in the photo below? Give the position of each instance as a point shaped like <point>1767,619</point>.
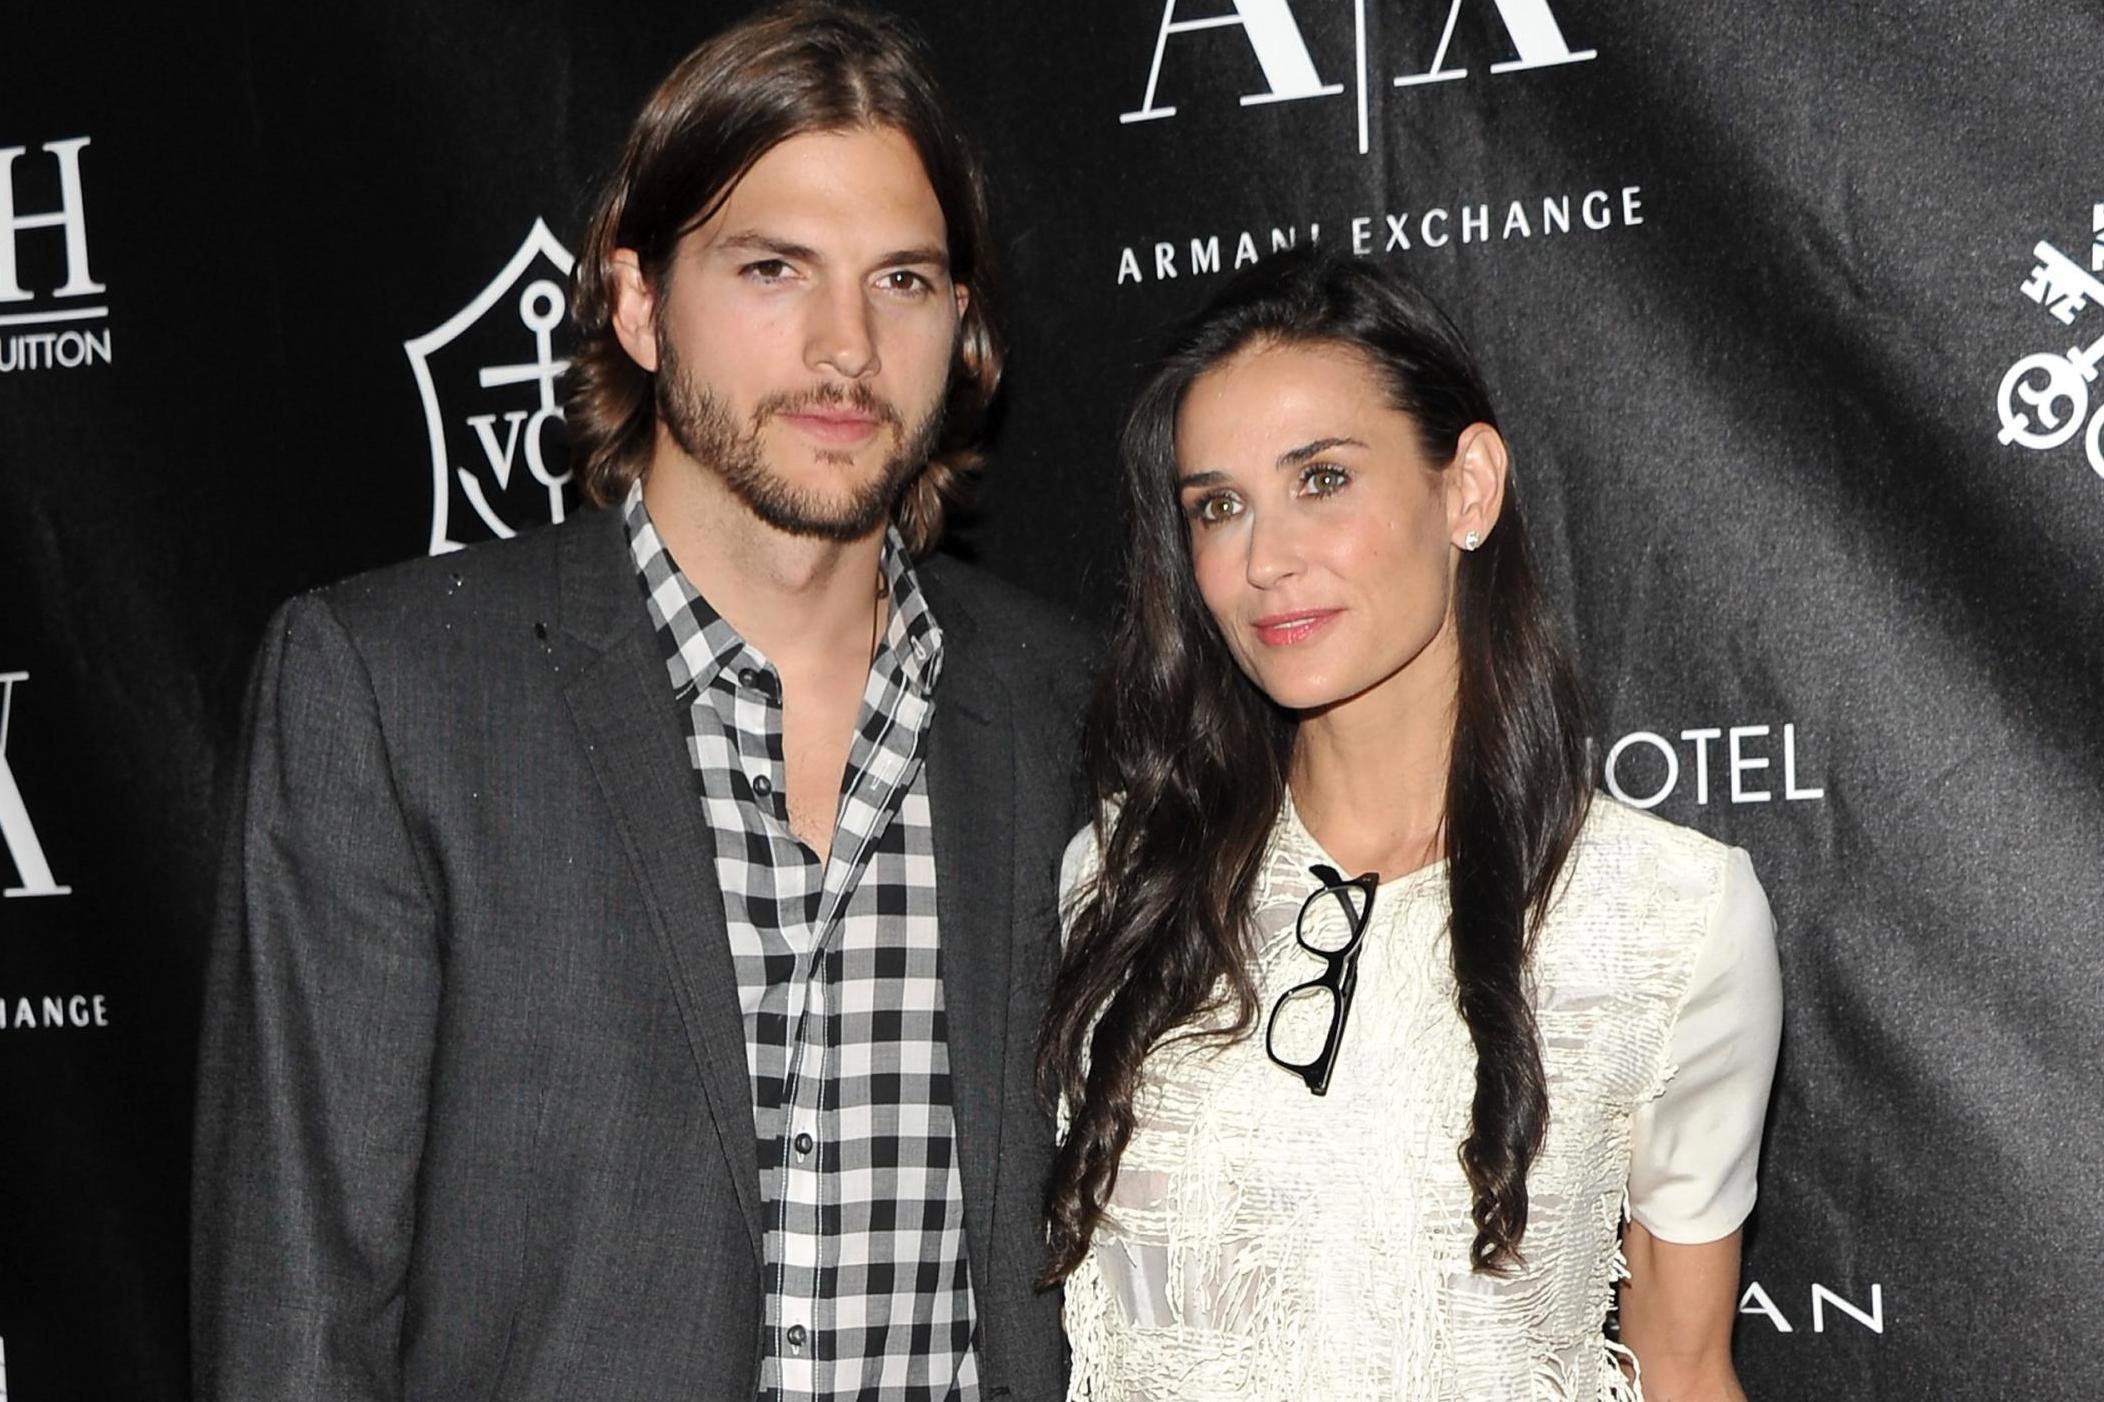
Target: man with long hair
<point>635,932</point>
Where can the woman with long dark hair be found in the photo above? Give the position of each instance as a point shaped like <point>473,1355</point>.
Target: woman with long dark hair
<point>1385,1048</point>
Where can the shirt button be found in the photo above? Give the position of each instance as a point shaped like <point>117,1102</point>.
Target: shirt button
<point>804,1145</point>
<point>748,678</point>
<point>796,1336</point>
<point>762,786</point>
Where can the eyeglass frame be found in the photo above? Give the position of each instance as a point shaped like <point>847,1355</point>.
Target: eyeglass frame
<point>1340,975</point>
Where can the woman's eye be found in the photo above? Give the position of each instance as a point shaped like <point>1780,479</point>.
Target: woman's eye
<point>1321,480</point>
<point>1212,510</point>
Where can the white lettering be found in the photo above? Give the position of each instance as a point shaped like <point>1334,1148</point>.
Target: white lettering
<point>1534,33</point>
<point>1658,742</point>
<point>1874,1321</point>
<point>1268,25</point>
<point>1362,236</point>
<point>1165,260</point>
<point>1756,1301</point>
<point>1205,257</point>
<point>71,215</point>
<point>1245,249</point>
<point>1790,789</point>
<point>1631,205</point>
<point>1128,266</point>
<point>1516,216</point>
<point>1424,229</point>
<point>1398,232</point>
<point>500,460</point>
<point>1475,223</point>
<point>1741,763</point>
<point>1701,739</point>
<point>15,827</point>
<point>1606,216</point>
<point>1284,238</point>
<point>1556,213</point>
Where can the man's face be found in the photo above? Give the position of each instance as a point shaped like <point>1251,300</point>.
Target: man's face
<point>804,334</point>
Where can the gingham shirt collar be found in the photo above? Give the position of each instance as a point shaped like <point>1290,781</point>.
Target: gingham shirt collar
<point>707,643</point>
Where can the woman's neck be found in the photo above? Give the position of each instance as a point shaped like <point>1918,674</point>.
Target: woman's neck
<point>1369,774</point>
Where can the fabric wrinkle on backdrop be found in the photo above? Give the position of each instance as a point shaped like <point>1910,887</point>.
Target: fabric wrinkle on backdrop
<point>1797,315</point>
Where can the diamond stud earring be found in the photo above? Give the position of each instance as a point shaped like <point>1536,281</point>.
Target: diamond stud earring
<point>1471,541</point>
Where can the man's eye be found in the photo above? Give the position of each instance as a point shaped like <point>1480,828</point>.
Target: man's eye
<point>903,280</point>
<point>766,270</point>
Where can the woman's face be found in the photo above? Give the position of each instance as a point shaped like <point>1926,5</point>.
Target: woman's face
<point>1323,540</point>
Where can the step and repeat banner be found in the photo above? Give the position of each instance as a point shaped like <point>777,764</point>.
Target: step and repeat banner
<point>1796,316</point>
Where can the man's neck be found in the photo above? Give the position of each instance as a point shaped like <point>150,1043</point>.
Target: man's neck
<point>807,603</point>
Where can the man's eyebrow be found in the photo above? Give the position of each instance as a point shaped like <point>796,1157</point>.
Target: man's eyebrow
<point>1294,457</point>
<point>753,241</point>
<point>926,256</point>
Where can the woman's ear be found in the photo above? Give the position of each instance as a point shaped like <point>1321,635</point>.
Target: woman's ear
<point>1475,485</point>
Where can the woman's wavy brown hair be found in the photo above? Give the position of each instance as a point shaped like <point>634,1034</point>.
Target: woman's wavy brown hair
<point>1187,762</point>
<point>794,68</point>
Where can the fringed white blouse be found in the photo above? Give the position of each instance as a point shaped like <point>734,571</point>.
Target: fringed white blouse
<point>1263,1242</point>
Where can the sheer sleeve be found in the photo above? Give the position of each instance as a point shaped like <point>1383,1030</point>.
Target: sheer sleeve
<point>1696,1147</point>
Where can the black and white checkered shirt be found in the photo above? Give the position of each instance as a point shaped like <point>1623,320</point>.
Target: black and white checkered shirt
<point>840,981</point>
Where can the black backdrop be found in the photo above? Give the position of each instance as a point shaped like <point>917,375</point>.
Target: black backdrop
<point>1793,311</point>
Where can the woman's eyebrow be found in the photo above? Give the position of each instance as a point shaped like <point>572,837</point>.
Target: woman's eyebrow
<point>1294,457</point>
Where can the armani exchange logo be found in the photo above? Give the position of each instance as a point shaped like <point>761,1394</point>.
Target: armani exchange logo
<point>19,833</point>
<point>2046,395</point>
<point>1738,764</point>
<point>487,378</point>
<point>77,1011</point>
<point>52,312</point>
<point>1291,72</point>
<point>1755,1300</point>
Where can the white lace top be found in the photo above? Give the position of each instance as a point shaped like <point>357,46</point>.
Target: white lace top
<point>1263,1242</point>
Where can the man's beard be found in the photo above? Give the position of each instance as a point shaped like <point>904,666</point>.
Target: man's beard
<point>700,422</point>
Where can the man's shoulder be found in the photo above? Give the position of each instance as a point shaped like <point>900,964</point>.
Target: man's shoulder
<point>1009,628</point>
<point>492,583</point>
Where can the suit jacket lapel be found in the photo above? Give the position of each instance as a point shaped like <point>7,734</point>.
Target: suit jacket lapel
<point>971,790</point>
<point>622,705</point>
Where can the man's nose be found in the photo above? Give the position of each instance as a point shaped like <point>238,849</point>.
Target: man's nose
<point>840,336</point>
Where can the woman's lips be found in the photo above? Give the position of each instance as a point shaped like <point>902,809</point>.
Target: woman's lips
<point>838,430</point>
<point>1286,629</point>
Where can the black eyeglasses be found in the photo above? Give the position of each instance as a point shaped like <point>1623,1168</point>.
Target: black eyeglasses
<point>1340,975</point>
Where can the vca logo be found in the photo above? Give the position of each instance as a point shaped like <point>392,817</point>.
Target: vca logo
<point>2046,395</point>
<point>499,460</point>
<point>16,830</point>
<point>1292,75</point>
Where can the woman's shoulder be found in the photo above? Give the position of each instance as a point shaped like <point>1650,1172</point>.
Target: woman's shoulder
<point>1631,865</point>
<point>1616,834</point>
<point>1080,864</point>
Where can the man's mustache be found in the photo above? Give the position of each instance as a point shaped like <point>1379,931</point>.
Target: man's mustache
<point>860,398</point>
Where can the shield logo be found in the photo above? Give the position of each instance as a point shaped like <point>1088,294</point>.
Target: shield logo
<point>499,458</point>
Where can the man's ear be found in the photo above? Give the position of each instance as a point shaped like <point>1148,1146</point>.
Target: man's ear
<point>964,299</point>
<point>635,310</point>
<point>1475,484</point>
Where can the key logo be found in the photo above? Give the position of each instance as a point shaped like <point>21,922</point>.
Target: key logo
<point>2045,396</point>
<point>499,458</point>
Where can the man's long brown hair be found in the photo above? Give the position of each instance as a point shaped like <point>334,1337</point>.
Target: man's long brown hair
<point>794,68</point>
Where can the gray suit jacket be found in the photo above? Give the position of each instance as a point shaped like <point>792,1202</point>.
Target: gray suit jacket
<point>474,1119</point>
